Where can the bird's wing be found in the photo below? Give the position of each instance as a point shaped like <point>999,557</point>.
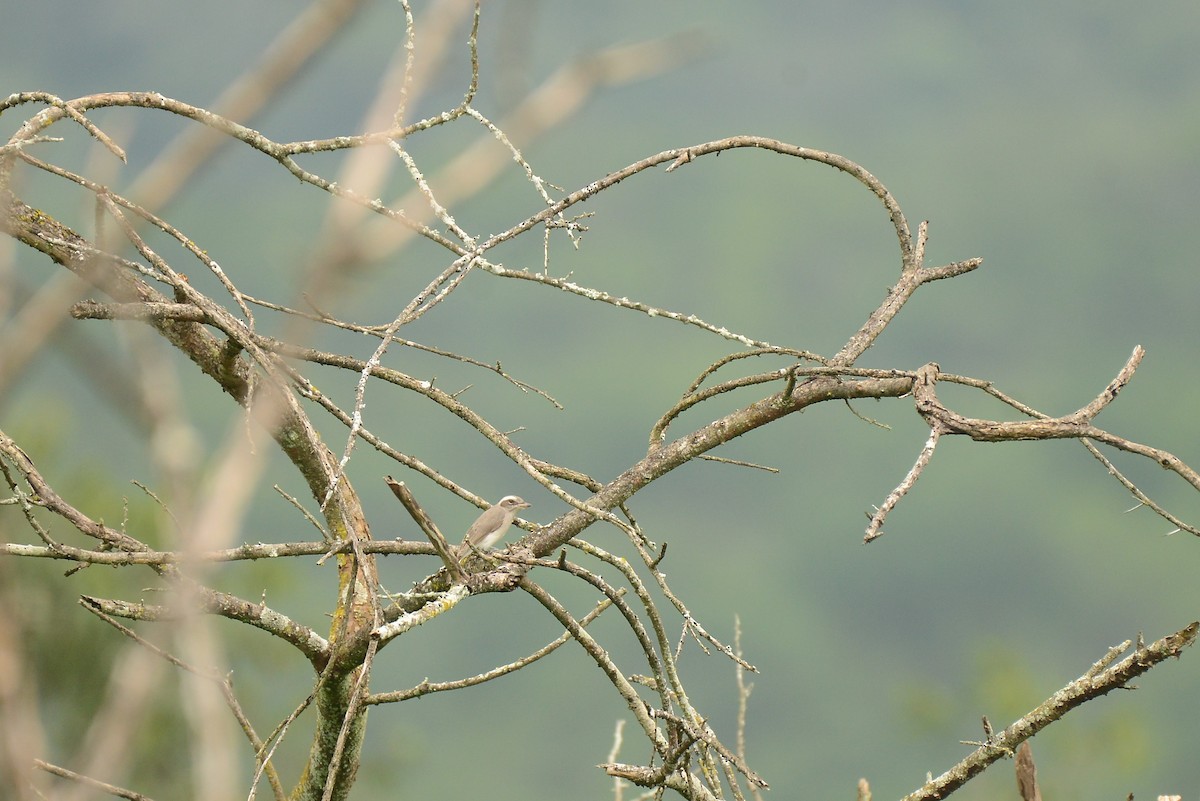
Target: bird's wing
<point>485,524</point>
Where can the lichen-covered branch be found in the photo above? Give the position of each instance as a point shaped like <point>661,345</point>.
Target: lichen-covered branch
<point>1091,684</point>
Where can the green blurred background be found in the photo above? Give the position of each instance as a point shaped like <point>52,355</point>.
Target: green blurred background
<point>1057,141</point>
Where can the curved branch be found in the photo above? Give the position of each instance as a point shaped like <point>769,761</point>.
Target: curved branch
<point>34,125</point>
<point>680,156</point>
<point>307,641</point>
<point>281,152</point>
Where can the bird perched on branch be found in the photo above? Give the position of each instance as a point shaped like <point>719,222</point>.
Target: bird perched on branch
<point>491,526</point>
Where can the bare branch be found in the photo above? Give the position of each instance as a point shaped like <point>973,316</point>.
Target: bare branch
<point>637,706</point>
<point>405,496</point>
<point>248,552</point>
<point>307,641</point>
<point>686,784</point>
<point>426,687</point>
<point>66,108</point>
<point>669,456</point>
<point>47,498</point>
<point>875,528</point>
<point>1076,425</point>
<point>1088,686</point>
<point>282,60</point>
<point>428,611</point>
<point>111,789</point>
<point>1136,492</point>
<point>224,683</point>
<point>1027,783</point>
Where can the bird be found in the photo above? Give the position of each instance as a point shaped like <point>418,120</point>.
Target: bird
<point>491,526</point>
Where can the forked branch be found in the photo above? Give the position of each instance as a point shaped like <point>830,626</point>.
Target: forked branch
<point>1076,425</point>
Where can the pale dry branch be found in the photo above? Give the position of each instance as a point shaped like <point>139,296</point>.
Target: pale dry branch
<point>657,657</point>
<point>132,311</point>
<point>295,503</point>
<point>909,256</point>
<point>281,152</point>
<point>247,552</point>
<point>44,496</point>
<point>439,289</point>
<point>744,689</point>
<point>111,789</point>
<point>253,90</point>
<point>308,642</point>
<point>159,268</point>
<point>649,310</point>
<point>671,455</point>
<point>559,97</point>
<point>1136,492</point>
<point>343,241</point>
<point>664,679</point>
<point>1142,498</point>
<point>641,712</point>
<point>429,609</point>
<point>739,463</point>
<point>748,354</point>
<point>912,277</point>
<point>686,784</point>
<point>69,110</point>
<point>618,738</point>
<point>264,755</point>
<point>542,472</point>
<point>275,408</point>
<point>1076,425</point>
<point>224,683</point>
<point>699,731</point>
<point>659,433</point>
<point>427,687</point>
<point>1090,685</point>
<point>875,527</point>
<point>426,524</point>
<point>1072,425</point>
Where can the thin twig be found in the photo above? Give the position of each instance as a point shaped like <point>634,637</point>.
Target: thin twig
<point>632,700</point>
<point>69,109</point>
<point>111,789</point>
<point>224,683</point>
<point>427,687</point>
<point>875,528</point>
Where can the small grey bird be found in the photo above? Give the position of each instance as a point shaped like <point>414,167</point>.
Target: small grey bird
<point>491,526</point>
